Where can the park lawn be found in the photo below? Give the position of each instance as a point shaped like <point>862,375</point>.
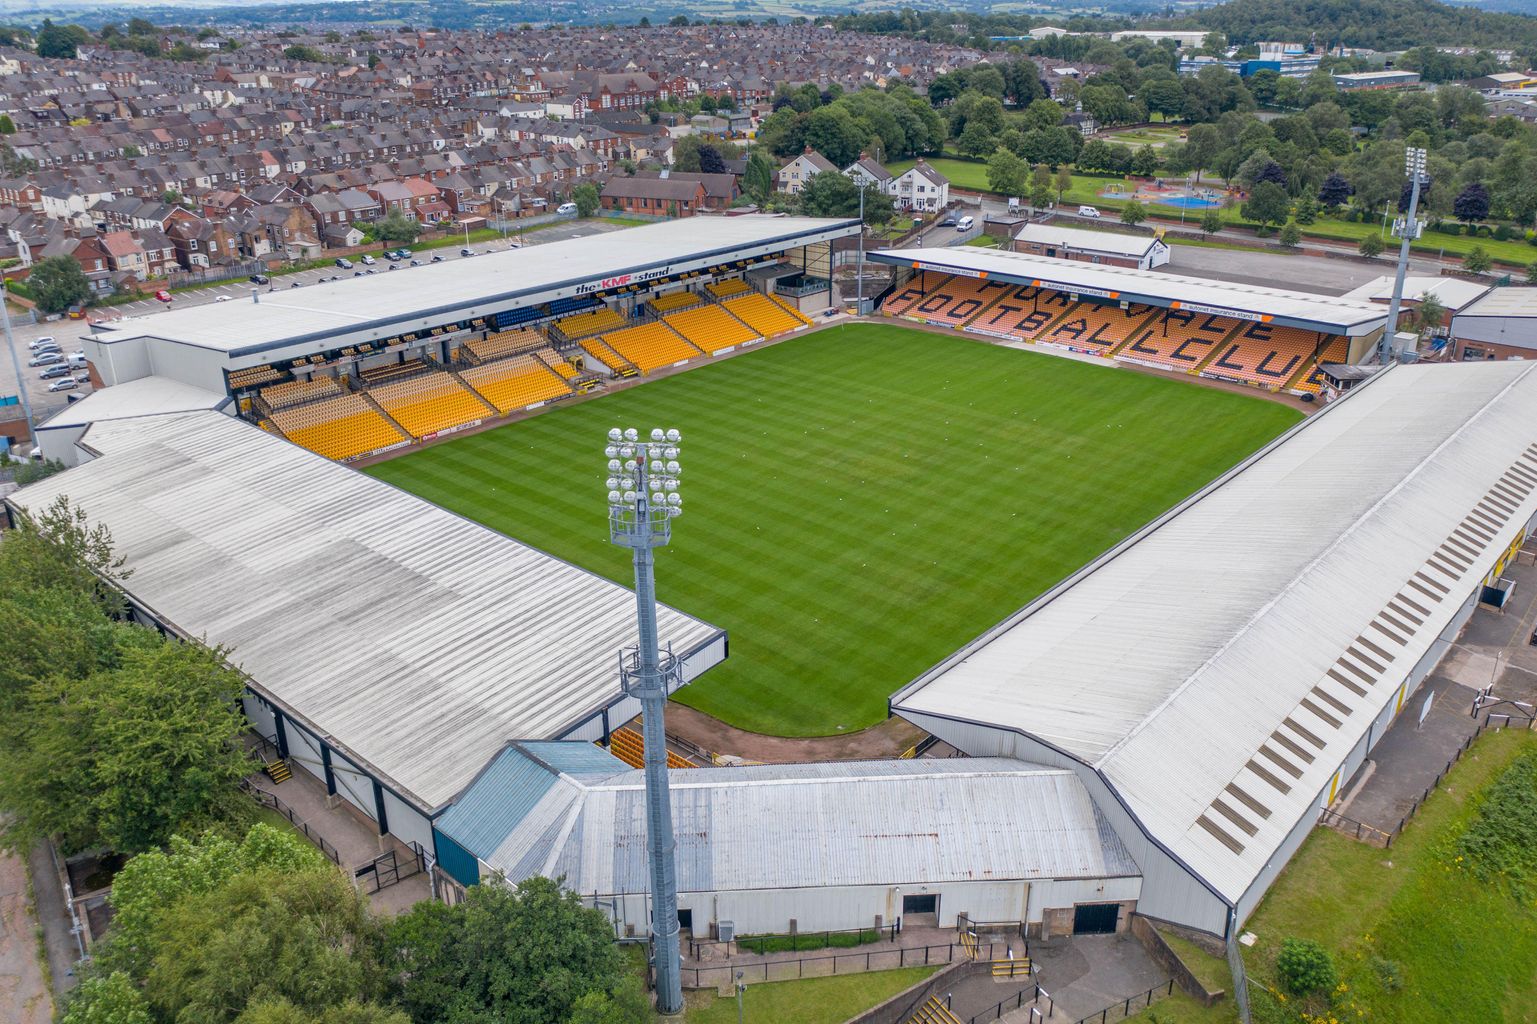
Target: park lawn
<point>1466,950</point>
<point>862,501</point>
<point>812,1001</point>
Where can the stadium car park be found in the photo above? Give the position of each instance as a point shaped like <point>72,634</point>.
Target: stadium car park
<point>1158,731</point>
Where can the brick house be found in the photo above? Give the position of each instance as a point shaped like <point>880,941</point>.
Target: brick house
<point>657,197</point>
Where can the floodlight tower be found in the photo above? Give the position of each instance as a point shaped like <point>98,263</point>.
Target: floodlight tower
<point>1407,229</point>
<point>643,501</point>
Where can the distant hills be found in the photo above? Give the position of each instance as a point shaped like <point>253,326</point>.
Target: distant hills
<point>1375,24</point>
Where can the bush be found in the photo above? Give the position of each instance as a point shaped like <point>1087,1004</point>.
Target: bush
<point>1305,966</point>
<point>1291,234</point>
<point>1476,261</point>
<point>1502,233</point>
<point>1371,246</point>
<point>1501,843</point>
<point>1389,974</point>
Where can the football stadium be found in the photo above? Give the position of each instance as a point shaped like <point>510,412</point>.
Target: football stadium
<point>1070,520</point>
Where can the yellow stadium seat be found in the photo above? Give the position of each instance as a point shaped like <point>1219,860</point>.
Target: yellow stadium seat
<point>764,315</point>
<point>653,345</point>
<point>675,301</point>
<point>583,325</point>
<point>296,392</point>
<point>711,328</point>
<point>338,428</point>
<point>516,383</point>
<point>429,403</point>
<point>727,289</point>
<point>505,343</point>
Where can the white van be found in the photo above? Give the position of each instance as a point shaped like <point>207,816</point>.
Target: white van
<point>1087,211</point>
<point>965,223</point>
<point>566,210</point>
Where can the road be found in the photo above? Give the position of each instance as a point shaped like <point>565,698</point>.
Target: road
<point>24,995</point>
<point>68,332</point>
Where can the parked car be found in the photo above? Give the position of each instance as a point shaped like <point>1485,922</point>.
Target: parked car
<point>344,263</point>
<point>52,346</point>
<point>45,358</point>
<point>966,223</point>
<point>82,378</point>
<point>222,298</point>
<point>67,384</point>
<point>466,251</point>
<point>566,209</point>
<point>416,263</point>
<point>437,257</point>
<point>57,370</point>
<point>162,296</point>
<point>359,273</point>
<point>368,260</point>
<point>394,266</point>
<point>45,340</point>
<point>260,279</point>
<point>402,254</point>
<point>949,221</point>
<point>1087,211</point>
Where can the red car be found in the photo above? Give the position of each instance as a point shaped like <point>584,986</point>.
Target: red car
<point>163,295</point>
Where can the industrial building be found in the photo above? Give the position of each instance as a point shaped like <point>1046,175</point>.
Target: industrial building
<point>1501,325</point>
<point>1107,248</point>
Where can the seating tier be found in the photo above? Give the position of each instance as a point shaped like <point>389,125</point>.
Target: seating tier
<point>295,392</point>
<point>652,345</point>
<point>585,325</point>
<point>711,328</point>
<point>430,403</point>
<point>338,428</point>
<point>516,383</point>
<point>764,315</point>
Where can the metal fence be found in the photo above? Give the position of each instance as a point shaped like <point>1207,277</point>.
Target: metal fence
<point>1126,1007</point>
<point>811,940</point>
<point>824,966</point>
<point>1029,994</point>
<point>272,800</point>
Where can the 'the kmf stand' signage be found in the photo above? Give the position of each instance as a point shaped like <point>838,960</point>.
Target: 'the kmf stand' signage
<point>604,284</point>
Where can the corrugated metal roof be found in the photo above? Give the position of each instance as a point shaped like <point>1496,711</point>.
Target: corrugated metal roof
<point>798,826</point>
<point>287,315</point>
<point>1314,312</point>
<point>1195,659</point>
<point>1515,302</point>
<point>1081,238</point>
<point>146,396</point>
<point>419,641</point>
<point>1452,292</point>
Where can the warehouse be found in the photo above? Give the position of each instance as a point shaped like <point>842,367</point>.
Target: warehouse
<point>1501,325</point>
<point>1215,679</point>
<point>391,648</point>
<point>769,849</point>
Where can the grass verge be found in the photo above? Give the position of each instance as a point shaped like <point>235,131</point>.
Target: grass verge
<point>813,1001</point>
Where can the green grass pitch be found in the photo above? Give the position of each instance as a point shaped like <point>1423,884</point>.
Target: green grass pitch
<point>859,502</point>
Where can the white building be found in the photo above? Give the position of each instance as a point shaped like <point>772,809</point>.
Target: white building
<point>921,189</point>
<point>793,176</point>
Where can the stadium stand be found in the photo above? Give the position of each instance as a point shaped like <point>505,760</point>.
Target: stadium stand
<point>296,392</point>
<point>710,328</point>
<point>630,747</point>
<point>1179,340</point>
<point>653,345</point>
<point>898,302</point>
<point>958,301</point>
<point>1275,357</point>
<point>338,428</point>
<point>1023,314</point>
<point>253,377</point>
<point>764,314</point>
<point>390,371</point>
<point>1097,328</point>
<point>558,363</point>
<point>728,289</point>
<point>505,343</point>
<point>599,349</point>
<point>585,325</point>
<point>674,301</point>
<point>517,383</point>
<point>429,403</point>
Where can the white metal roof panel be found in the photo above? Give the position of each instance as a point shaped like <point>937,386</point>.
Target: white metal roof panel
<point>1315,312</point>
<point>291,315</point>
<point>1172,664</point>
<point>817,825</point>
<point>1083,238</point>
<point>1452,292</point>
<point>420,642</point>
<point>146,396</point>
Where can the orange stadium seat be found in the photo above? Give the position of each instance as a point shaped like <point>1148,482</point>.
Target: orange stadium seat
<point>899,301</point>
<point>1273,357</point>
<point>674,300</point>
<point>557,362</point>
<point>653,345</point>
<point>711,328</point>
<point>728,289</point>
<point>296,392</point>
<point>583,325</point>
<point>1096,327</point>
<point>764,315</point>
<point>429,403</point>
<point>516,383</point>
<point>1178,340</point>
<point>1022,314</point>
<point>338,428</point>
<point>957,301</point>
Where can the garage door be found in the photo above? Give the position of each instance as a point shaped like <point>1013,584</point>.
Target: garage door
<point>1095,918</point>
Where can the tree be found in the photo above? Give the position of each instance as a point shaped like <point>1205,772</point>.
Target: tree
<point>152,884</point>
<point>1043,114</point>
<point>758,179</point>
<point>1305,966</point>
<point>141,27</point>
<point>1133,213</point>
<point>1267,205</point>
<point>1006,173</point>
<point>1334,191</point>
<point>1273,172</point>
<point>1291,234</point>
<point>107,999</point>
<point>1211,223</point>
<point>1202,144</point>
<point>1064,180</point>
<point>1531,273</point>
<point>1476,261</point>
<point>7,126</point>
<point>1472,203</point>
<point>528,953</point>
<point>586,198</point>
<point>55,42</point>
<point>1370,247</point>
<point>831,194</point>
<point>833,132</point>
<point>1429,313</point>
<point>303,53</point>
<point>975,139</point>
<point>396,226</point>
<point>1163,96</point>
<point>1254,165</point>
<point>1144,162</point>
<point>1040,195</point>
<point>57,283</point>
